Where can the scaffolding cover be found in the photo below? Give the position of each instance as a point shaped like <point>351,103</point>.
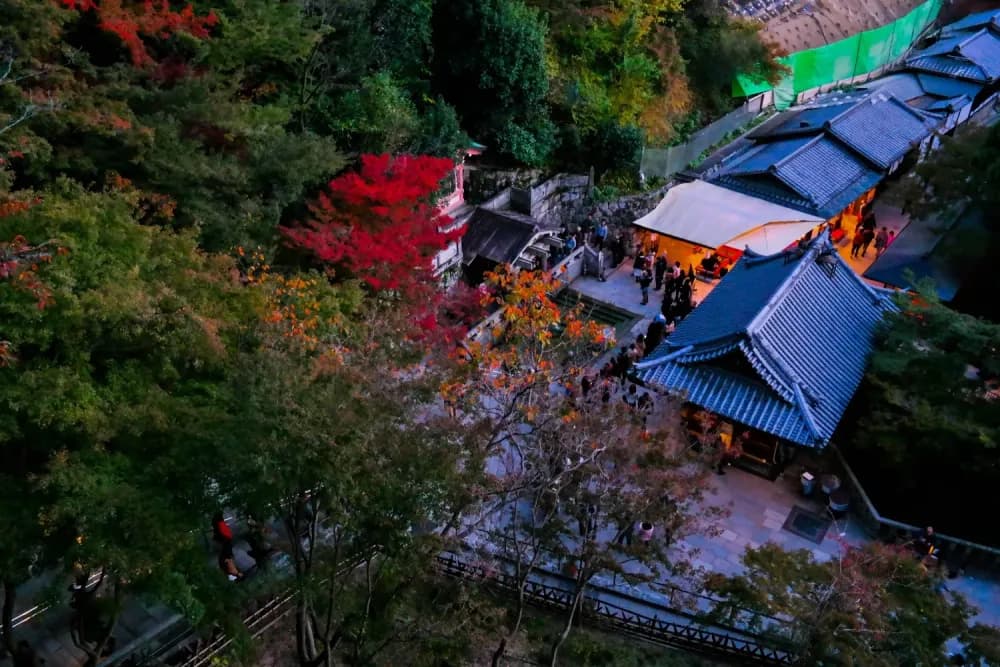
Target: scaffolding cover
<point>854,56</point>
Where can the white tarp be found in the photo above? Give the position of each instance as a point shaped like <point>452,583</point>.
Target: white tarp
<point>712,216</point>
<point>771,238</point>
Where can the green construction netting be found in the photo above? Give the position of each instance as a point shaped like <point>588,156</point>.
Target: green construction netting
<point>855,56</point>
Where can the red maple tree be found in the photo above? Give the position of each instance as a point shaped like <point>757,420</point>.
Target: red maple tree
<point>380,224</point>
<point>131,19</point>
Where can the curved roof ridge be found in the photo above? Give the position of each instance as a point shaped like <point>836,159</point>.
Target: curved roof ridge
<point>670,356</point>
<point>806,411</point>
<point>762,361</point>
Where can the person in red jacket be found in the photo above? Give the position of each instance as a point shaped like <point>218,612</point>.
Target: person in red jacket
<point>221,532</point>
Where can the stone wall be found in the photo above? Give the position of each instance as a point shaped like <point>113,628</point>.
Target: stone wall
<point>482,182</point>
<point>559,201</point>
<point>622,212</point>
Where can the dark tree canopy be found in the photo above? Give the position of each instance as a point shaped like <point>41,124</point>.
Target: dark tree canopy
<point>928,410</point>
<point>489,61</point>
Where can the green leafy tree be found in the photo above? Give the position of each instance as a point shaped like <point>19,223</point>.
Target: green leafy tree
<point>963,172</point>
<point>378,117</point>
<point>717,48</point>
<point>98,380</point>
<point>489,62</point>
<point>871,606</point>
<point>616,148</point>
<point>931,392</point>
<point>351,463</point>
<point>615,64</point>
<point>206,130</point>
<point>401,40</point>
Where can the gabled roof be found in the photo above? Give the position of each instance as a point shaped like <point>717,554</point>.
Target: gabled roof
<point>817,175</point>
<point>946,87</point>
<point>972,55</point>
<point>820,157</point>
<point>497,236</point>
<point>779,345</point>
<point>881,128</point>
<point>806,120</point>
<point>901,85</point>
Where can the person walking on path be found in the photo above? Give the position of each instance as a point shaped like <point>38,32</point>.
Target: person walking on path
<point>600,235</point>
<point>659,270</point>
<point>857,241</point>
<point>645,280</point>
<point>868,235</point>
<point>881,241</point>
<point>570,245</point>
<point>655,333</point>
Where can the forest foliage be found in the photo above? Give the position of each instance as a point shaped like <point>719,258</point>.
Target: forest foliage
<point>217,223</point>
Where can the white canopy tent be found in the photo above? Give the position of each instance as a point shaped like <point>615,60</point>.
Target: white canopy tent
<point>712,216</point>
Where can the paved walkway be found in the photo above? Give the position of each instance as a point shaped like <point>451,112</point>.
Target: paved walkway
<point>885,216</point>
<point>620,290</point>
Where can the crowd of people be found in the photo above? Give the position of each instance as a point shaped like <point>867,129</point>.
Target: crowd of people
<point>866,233</point>
<point>599,237</point>
<point>656,273</point>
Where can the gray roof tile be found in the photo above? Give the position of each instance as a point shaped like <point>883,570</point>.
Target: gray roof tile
<point>973,55</point>
<point>881,128</point>
<point>803,321</point>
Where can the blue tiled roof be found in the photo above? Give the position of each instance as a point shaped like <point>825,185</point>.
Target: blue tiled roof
<point>967,55</point>
<point>903,86</point>
<point>945,45</point>
<point>983,49</point>
<point>736,301</point>
<point>946,87</point>
<point>949,66</point>
<point>936,250</point>
<point>974,21</point>
<point>816,175</point>
<point>821,157</point>
<point>806,120</point>
<point>821,171</point>
<point>803,324</point>
<point>768,188</point>
<point>947,105</point>
<point>881,128</point>
<point>759,158</point>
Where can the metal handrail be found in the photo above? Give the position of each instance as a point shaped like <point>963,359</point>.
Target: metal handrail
<point>673,588</point>
<point>949,545</point>
<point>650,628</point>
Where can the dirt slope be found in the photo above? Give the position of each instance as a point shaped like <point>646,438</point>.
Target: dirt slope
<point>808,23</point>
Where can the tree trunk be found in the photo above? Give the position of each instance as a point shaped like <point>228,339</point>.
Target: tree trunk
<point>96,653</point>
<point>561,639</point>
<point>7,623</point>
<point>499,653</point>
